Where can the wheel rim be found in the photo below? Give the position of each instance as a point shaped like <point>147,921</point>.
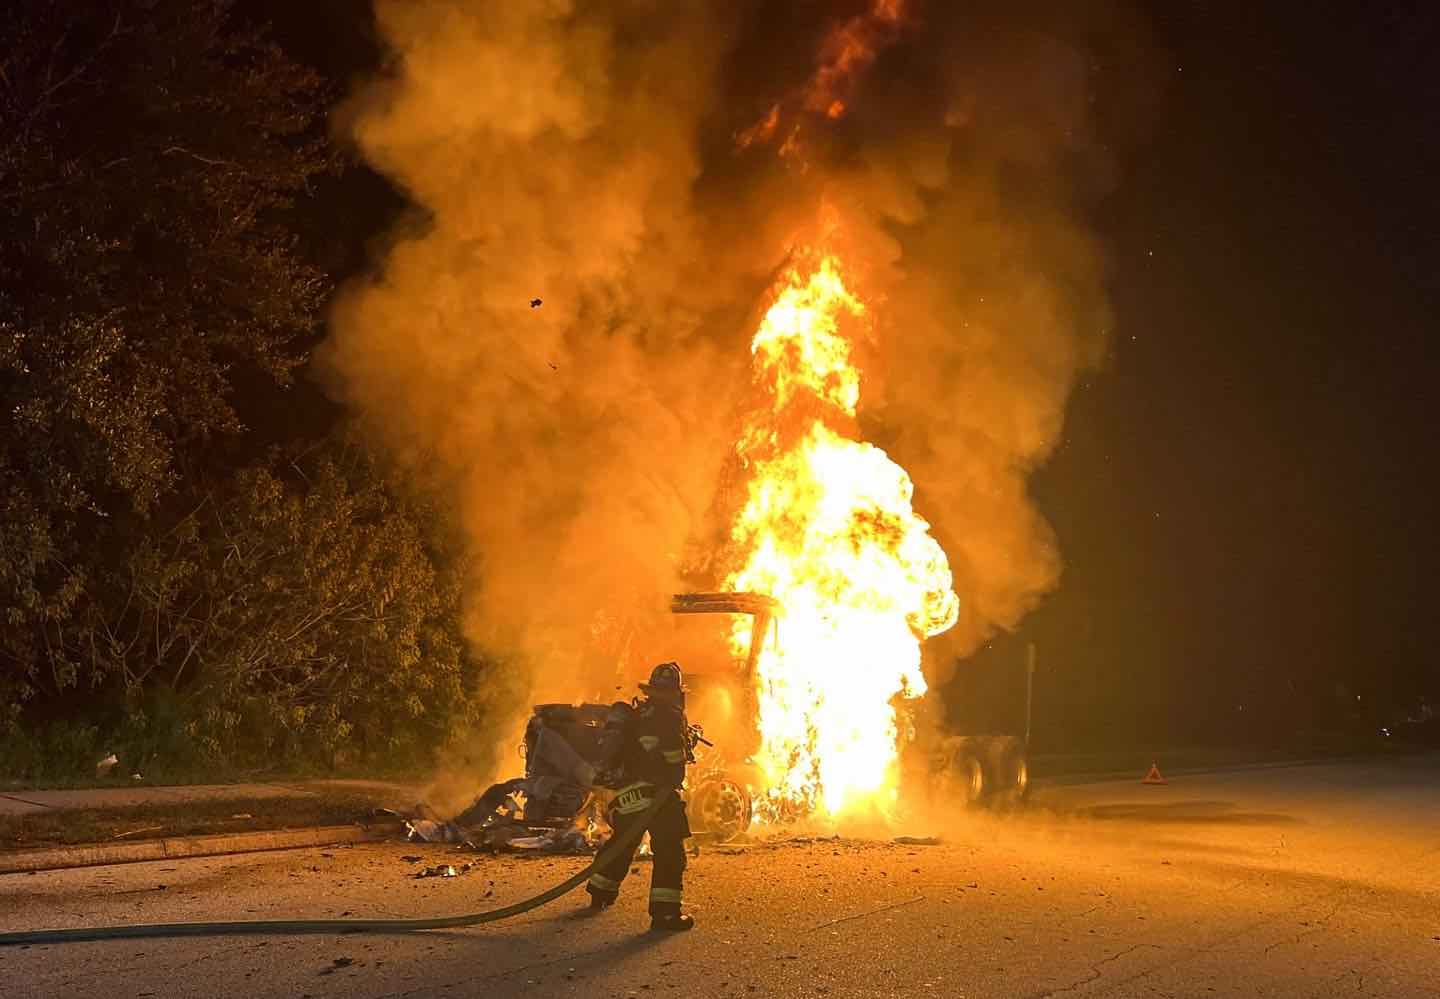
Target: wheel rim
<point>723,807</point>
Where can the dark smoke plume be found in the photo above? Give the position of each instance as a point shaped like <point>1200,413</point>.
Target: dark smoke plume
<point>582,153</point>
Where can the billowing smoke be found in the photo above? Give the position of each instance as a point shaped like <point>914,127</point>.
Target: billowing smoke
<point>558,339</point>
<point>994,297</point>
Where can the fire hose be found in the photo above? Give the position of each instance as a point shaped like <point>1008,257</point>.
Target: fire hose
<point>617,845</point>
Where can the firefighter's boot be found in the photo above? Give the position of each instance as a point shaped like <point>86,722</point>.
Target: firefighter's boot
<point>673,922</point>
<point>600,900</point>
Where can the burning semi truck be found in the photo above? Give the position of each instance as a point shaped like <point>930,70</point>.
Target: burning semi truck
<point>831,584</point>
<point>648,456</point>
<point>567,749</point>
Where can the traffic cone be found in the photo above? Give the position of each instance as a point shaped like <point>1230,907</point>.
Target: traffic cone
<point>1154,776</point>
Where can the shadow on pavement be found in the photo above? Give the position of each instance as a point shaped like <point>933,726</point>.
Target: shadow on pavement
<point>1183,812</point>
<point>1358,894</point>
<point>1183,846</point>
<point>628,942</point>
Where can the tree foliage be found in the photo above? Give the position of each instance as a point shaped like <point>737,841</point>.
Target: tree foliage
<point>149,152</point>
<point>163,592</point>
<point>305,608</point>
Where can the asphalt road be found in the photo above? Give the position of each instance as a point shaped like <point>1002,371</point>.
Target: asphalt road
<point>1299,881</point>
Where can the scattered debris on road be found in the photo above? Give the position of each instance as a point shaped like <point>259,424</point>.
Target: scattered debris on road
<point>502,832</point>
<point>444,871</point>
<point>555,841</point>
<point>337,964</point>
<point>432,831</point>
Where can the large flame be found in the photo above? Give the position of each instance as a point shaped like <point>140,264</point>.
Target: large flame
<point>828,529</point>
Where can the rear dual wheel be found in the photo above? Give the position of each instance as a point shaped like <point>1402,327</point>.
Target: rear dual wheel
<point>965,780</point>
<point>988,772</point>
<point>1014,786</point>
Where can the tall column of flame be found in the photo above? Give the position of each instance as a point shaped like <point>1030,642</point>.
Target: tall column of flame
<point>829,531</point>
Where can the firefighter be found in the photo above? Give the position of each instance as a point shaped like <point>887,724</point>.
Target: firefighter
<point>654,755</point>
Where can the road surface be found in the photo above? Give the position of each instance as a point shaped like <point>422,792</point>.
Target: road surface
<point>1299,881</point>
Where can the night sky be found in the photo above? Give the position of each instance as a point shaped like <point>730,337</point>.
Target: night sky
<point>1245,501</point>
<point>1244,497</point>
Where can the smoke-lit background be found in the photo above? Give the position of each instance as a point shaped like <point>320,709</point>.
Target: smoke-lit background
<point>582,155</point>
<point>1238,494</point>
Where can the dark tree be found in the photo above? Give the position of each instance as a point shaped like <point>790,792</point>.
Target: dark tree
<point>149,152</point>
<point>302,609</point>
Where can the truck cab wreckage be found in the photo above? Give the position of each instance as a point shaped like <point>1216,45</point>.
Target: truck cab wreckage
<point>558,805</point>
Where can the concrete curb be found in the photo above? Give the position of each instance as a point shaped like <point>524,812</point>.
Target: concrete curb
<point>175,847</point>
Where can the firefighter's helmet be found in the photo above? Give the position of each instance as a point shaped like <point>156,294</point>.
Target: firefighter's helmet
<point>665,679</point>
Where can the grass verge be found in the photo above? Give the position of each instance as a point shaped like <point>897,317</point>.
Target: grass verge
<point>40,830</point>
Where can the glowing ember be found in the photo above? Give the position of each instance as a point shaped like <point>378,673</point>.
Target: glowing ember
<point>847,52</point>
<point>762,131</point>
<point>829,531</point>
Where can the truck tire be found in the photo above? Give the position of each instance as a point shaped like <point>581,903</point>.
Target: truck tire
<point>1012,777</point>
<point>966,779</point>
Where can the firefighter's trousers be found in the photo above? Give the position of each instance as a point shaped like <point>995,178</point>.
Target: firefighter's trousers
<point>668,831</point>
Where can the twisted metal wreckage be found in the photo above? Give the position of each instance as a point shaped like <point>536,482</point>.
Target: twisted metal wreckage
<point>558,805</point>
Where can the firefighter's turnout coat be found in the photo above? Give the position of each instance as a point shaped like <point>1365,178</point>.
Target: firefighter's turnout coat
<point>653,758</point>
